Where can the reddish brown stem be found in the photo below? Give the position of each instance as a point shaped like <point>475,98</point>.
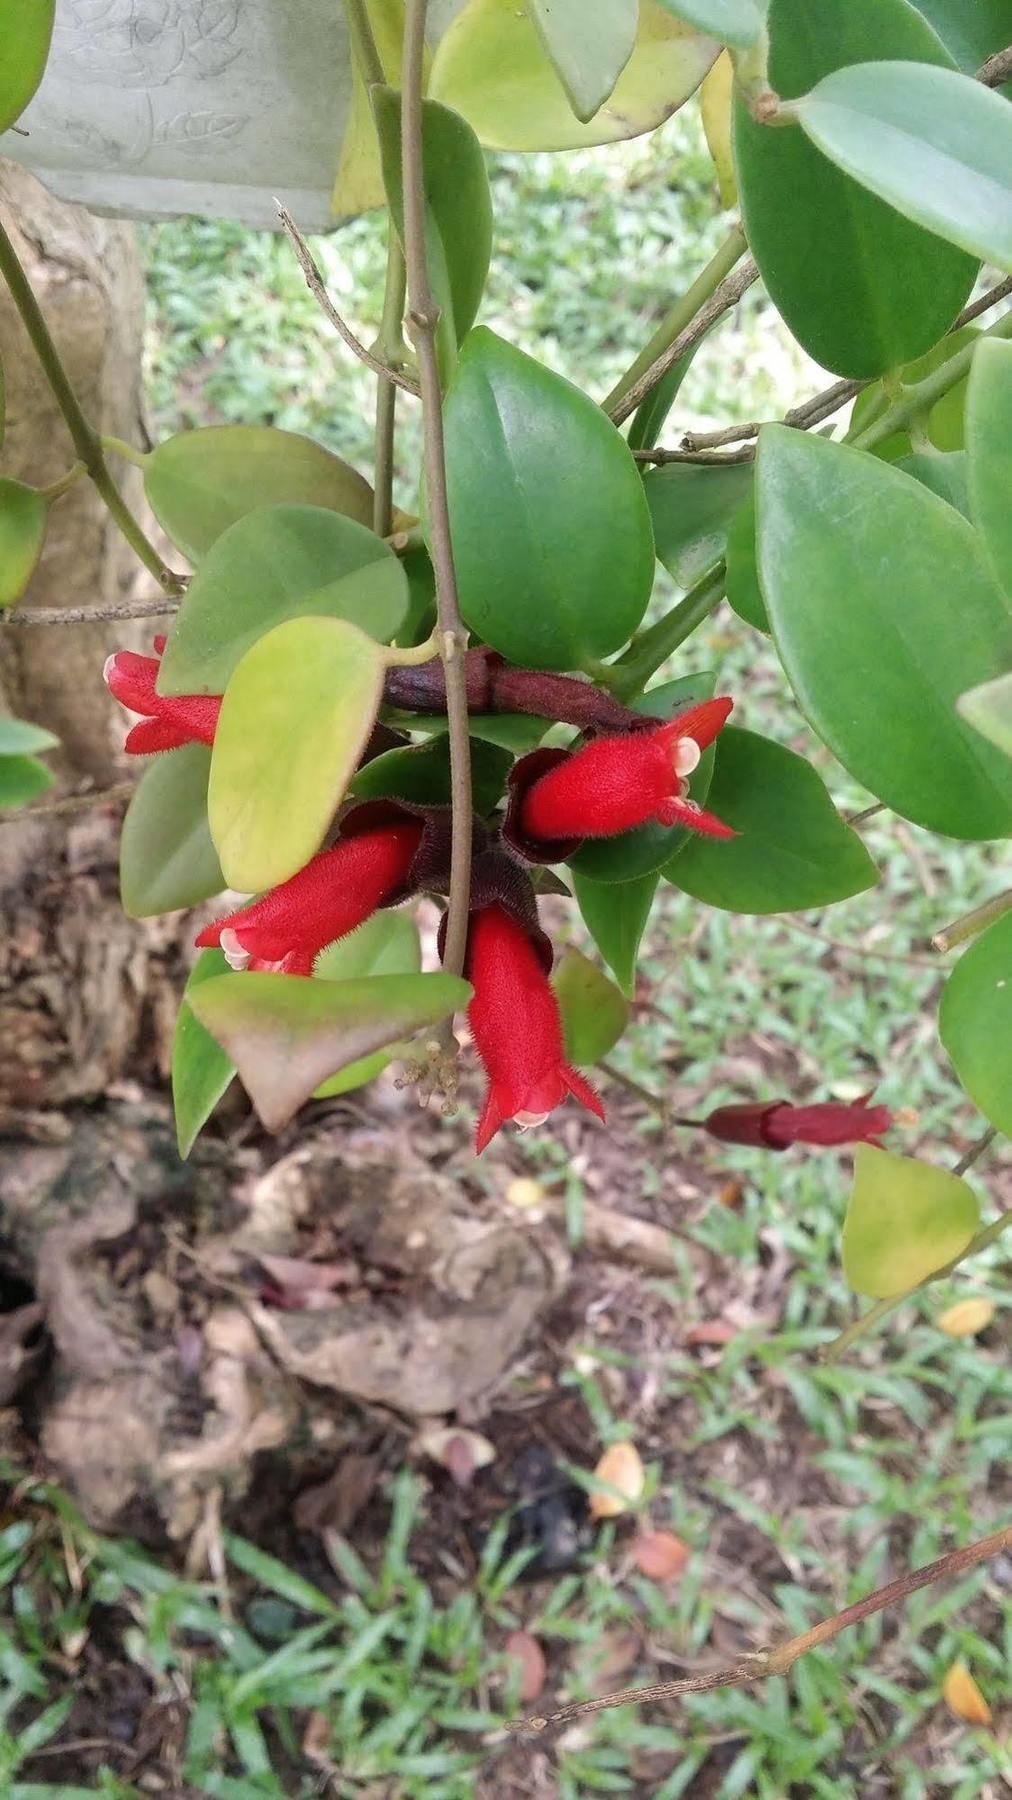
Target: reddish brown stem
<point>492,686</point>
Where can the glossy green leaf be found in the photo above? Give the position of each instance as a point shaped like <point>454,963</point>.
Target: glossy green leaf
<point>492,67</point>
<point>26,27</point>
<point>989,451</point>
<point>594,1012</point>
<point>904,1221</point>
<point>3,403</point>
<point>551,530</point>
<point>20,736</point>
<point>22,778</point>
<point>200,482</point>
<point>647,422</point>
<point>975,1021</point>
<point>736,22</point>
<point>201,1071</point>
<point>282,562</point>
<point>794,850</point>
<point>166,857</point>
<point>387,944</point>
<point>971,30</point>
<point>649,847</point>
<point>286,1036</point>
<point>615,913</point>
<point>587,46</point>
<point>421,774</point>
<point>861,287</point>
<point>692,505</point>
<point>294,721</point>
<point>929,141</point>
<point>944,472</point>
<point>741,578</point>
<point>517,732</point>
<point>458,211</point>
<point>988,708</point>
<point>884,612</point>
<point>23,518</point>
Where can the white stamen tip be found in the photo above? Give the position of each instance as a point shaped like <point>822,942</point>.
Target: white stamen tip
<point>108,665</point>
<point>687,755</point>
<point>233,952</point>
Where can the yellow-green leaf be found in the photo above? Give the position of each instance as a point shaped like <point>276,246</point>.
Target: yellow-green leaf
<point>294,721</point>
<point>905,1220</point>
<point>359,183</point>
<point>23,516</point>
<point>26,27</point>
<point>715,108</point>
<point>589,46</point>
<point>594,1012</point>
<point>975,1021</point>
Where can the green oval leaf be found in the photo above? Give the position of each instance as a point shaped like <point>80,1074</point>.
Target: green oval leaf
<point>23,518</point>
<point>18,736</point>
<point>929,141</point>
<point>166,857</point>
<point>594,1012</point>
<point>971,30</point>
<point>491,67</point>
<point>458,211</point>
<point>989,451</point>
<point>22,778</point>
<point>615,913</point>
<point>861,288</point>
<point>200,482</point>
<point>294,721</point>
<point>387,944</point>
<point>26,27</point>
<point>975,1022</point>
<point>691,506</point>
<point>884,612</point>
<point>943,424</point>
<point>905,1220</point>
<point>421,774</point>
<point>282,562</point>
<point>201,1071</point>
<point>649,847</point>
<point>741,578</point>
<point>794,850</point>
<point>988,709</point>
<point>944,472</point>
<point>588,46</point>
<point>286,1035</point>
<point>551,529</point>
<point>736,22</point>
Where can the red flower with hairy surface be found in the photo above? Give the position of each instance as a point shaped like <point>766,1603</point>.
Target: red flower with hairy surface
<point>339,889</point>
<point>170,720</point>
<point>617,783</point>
<point>514,1017</point>
<point>774,1124</point>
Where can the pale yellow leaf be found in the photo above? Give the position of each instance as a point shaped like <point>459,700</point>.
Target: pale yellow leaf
<point>715,107</point>
<point>622,1470</point>
<point>963,1696</point>
<point>966,1317</point>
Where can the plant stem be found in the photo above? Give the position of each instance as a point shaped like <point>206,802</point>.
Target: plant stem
<point>972,922</point>
<point>652,647</point>
<point>413,654</point>
<point>363,44</point>
<point>129,453</point>
<point>778,1661</point>
<point>88,615</point>
<point>390,345</point>
<point>681,314</point>
<point>63,482</point>
<point>423,317</point>
<point>921,395</point>
<point>86,440</point>
<point>722,297</point>
<point>317,287</point>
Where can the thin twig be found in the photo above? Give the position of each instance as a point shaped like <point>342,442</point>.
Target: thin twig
<point>975,1151</point>
<point>867,812</point>
<point>765,1663</point>
<point>726,295</point>
<point>832,943</point>
<point>423,318</point>
<point>69,803</point>
<point>997,69</point>
<point>90,615</point>
<point>744,455</point>
<point>315,284</point>
<point>972,922</point>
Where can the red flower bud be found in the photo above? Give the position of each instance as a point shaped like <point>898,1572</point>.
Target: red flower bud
<point>774,1124</point>
<point>169,719</point>
<point>617,783</point>
<point>514,1017</point>
<point>339,889</point>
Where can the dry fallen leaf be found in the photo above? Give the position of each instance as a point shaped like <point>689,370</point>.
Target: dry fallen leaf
<point>526,1652</point>
<point>660,1555</point>
<point>731,1193</point>
<point>710,1331</point>
<point>525,1193</point>
<point>462,1453</point>
<point>963,1696</point>
<point>622,1469</point>
<point>966,1317</point>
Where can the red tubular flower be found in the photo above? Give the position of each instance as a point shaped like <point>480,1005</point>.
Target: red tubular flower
<point>617,783</point>
<point>774,1124</point>
<point>514,1017</point>
<point>169,719</point>
<point>339,889</point>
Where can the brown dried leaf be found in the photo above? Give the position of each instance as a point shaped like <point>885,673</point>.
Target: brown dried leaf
<point>731,1193</point>
<point>710,1331</point>
<point>622,1468</point>
<point>963,1696</point>
<point>299,1283</point>
<point>526,1652</point>
<point>462,1453</point>
<point>660,1555</point>
<point>966,1317</point>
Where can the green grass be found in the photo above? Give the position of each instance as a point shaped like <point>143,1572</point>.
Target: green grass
<point>906,1444</point>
